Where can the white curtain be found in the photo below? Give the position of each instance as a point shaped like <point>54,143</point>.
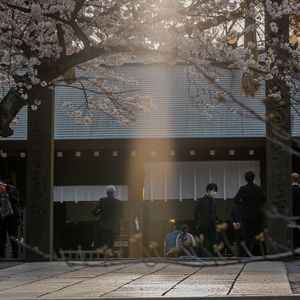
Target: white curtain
<point>75,193</point>
<point>187,180</point>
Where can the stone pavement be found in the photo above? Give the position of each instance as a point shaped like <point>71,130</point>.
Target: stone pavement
<point>293,271</point>
<point>129,279</point>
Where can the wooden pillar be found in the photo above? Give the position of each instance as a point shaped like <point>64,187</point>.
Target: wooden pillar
<point>278,144</point>
<point>278,193</point>
<point>40,161</point>
<point>135,198</point>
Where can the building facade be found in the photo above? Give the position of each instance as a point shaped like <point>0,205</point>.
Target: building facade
<point>160,165</point>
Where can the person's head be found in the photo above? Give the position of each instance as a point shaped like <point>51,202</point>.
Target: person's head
<point>172,224</point>
<point>211,189</point>
<point>249,176</point>
<point>295,178</point>
<point>110,190</point>
<point>184,228</point>
<point>2,187</point>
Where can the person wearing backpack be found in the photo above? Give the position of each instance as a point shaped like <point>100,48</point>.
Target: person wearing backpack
<point>185,242</point>
<point>9,217</point>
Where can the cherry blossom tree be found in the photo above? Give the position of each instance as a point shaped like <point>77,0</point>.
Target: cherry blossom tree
<point>42,42</point>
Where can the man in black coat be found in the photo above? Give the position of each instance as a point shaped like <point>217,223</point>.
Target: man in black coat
<point>108,211</point>
<point>235,217</point>
<point>296,208</point>
<point>252,200</point>
<point>205,217</point>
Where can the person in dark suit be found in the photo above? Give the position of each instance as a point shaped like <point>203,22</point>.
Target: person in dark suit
<point>235,217</point>
<point>205,218</point>
<point>296,208</point>
<point>108,211</point>
<point>252,201</point>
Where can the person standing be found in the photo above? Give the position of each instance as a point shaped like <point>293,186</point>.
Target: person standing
<point>9,217</point>
<point>252,201</point>
<point>296,208</point>
<point>108,211</point>
<point>205,217</point>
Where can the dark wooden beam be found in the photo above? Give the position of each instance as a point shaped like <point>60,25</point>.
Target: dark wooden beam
<point>40,163</point>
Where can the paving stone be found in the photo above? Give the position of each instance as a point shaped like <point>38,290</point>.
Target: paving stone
<point>89,272</point>
<point>58,281</point>
<point>96,286</point>
<point>293,270</point>
<point>203,291</point>
<point>208,281</point>
<point>262,278</point>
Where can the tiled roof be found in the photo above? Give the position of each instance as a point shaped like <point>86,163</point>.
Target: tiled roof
<point>175,116</point>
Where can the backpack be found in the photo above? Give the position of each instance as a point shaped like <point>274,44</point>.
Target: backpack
<point>6,209</point>
<point>185,239</point>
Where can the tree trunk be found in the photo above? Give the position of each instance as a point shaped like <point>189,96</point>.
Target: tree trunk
<point>9,108</point>
<point>278,142</point>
